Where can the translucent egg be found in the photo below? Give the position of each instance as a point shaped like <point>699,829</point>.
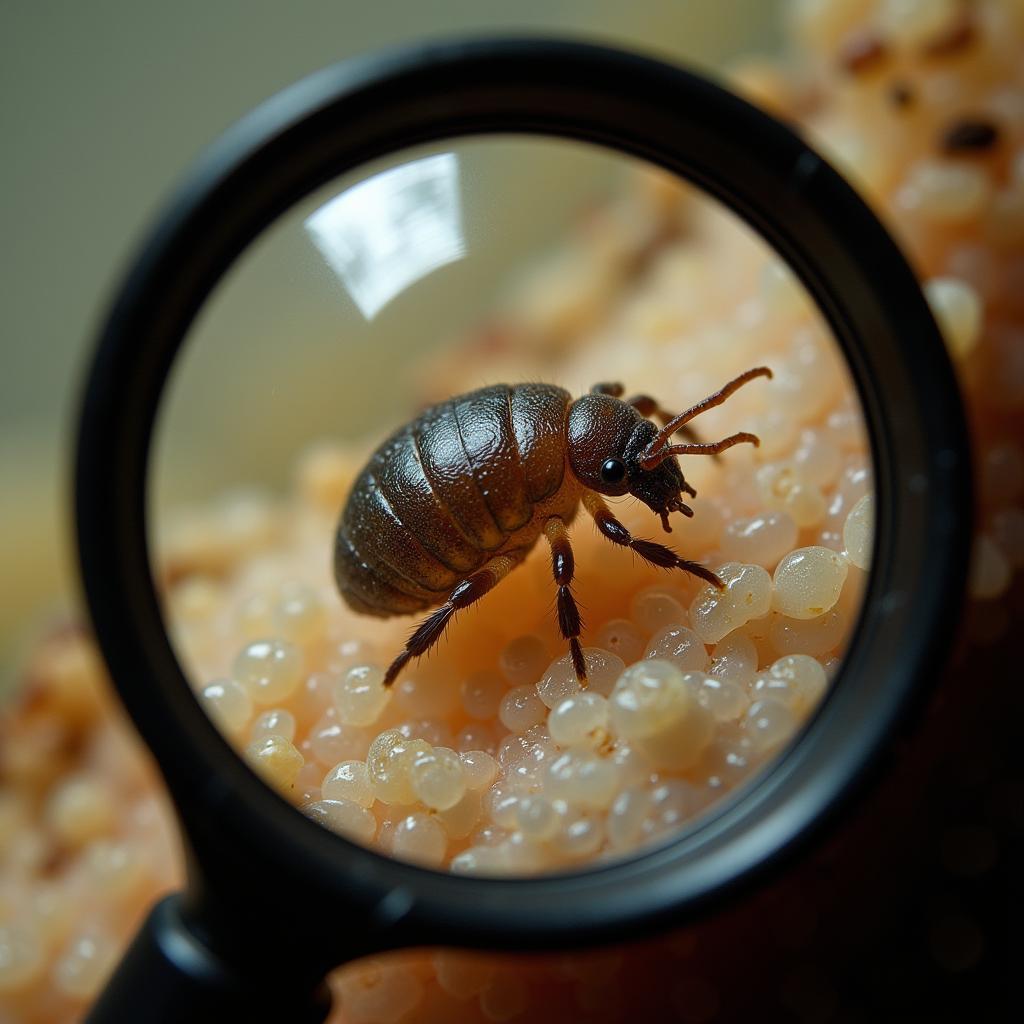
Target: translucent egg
<point>276,722</point>
<point>783,488</point>
<point>580,834</point>
<point>481,694</point>
<point>477,860</point>
<point>796,680</point>
<point>330,741</point>
<point>680,646</point>
<point>299,614</point>
<point>622,638</point>
<point>760,540</point>
<point>805,505</point>
<point>724,699</point>
<point>523,659</point>
<point>461,819</point>
<point>438,779</point>
<point>747,595</point>
<point>681,740</point>
<point>269,670</point>
<point>344,817</point>
<point>478,768</point>
<point>228,704</point>
<point>476,736</point>
<point>314,697</point>
<point>603,670</point>
<point>817,459</point>
<point>858,532</point>
<point>815,636</point>
<point>653,610</point>
<point>307,781</point>
<point>580,720</point>
<point>770,723</point>
<point>809,378</point>
<point>421,839</point>
<point>435,733</point>
<point>423,695</point>
<point>730,757</point>
<point>502,804</point>
<point>520,708</point>
<point>558,682</point>
<point>632,766</point>
<point>808,582</point>
<point>776,430</point>
<point>360,695</point>
<point>673,802</point>
<point>275,760</point>
<point>254,616</point>
<point>536,818</point>
<point>846,428</point>
<point>389,760</point>
<point>513,748</point>
<point>625,822</point>
<point>582,779</point>
<point>734,658</point>
<point>644,698</point>
<point>349,780</point>
<point>653,707</point>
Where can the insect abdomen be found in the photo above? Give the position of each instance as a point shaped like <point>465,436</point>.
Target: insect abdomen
<point>445,492</point>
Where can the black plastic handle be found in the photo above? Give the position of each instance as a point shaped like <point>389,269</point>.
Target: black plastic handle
<point>169,975</point>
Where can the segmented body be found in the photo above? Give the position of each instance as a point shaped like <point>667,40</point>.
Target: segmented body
<point>452,502</point>
<point>470,478</point>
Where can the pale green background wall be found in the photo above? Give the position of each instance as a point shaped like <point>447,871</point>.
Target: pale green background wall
<point>103,103</point>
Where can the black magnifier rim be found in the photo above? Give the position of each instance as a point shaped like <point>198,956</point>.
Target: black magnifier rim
<point>349,114</point>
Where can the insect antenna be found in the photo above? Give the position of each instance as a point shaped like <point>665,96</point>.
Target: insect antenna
<point>659,449</point>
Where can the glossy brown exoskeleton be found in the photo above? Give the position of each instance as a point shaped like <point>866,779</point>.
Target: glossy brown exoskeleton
<point>453,501</point>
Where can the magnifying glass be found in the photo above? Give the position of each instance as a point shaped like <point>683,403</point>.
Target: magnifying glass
<point>504,220</point>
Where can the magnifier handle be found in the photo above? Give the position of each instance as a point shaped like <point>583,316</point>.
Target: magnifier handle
<point>168,976</point>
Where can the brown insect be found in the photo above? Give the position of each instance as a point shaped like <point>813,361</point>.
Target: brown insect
<point>452,502</point>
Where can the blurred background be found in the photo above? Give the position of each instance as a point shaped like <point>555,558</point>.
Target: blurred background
<point>106,104</point>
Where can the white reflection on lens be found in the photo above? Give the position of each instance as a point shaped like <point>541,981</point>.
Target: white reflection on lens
<point>387,232</point>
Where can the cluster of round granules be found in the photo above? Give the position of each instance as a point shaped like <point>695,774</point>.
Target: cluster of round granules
<point>921,102</point>
<point>512,767</point>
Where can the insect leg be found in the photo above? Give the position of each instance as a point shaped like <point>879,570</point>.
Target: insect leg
<point>465,593</point>
<point>656,554</point>
<point>562,567</point>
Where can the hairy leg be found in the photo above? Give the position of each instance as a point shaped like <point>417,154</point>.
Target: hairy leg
<point>656,554</point>
<point>465,593</point>
<point>562,567</point>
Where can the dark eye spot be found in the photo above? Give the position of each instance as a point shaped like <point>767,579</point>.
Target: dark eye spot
<point>613,471</point>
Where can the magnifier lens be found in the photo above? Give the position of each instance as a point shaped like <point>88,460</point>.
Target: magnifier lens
<point>433,273</point>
